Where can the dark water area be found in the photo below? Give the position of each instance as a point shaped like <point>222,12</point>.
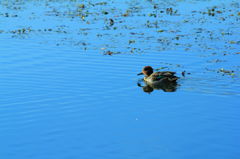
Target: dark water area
<point>69,84</point>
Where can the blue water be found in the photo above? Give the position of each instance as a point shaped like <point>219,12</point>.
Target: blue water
<point>64,96</point>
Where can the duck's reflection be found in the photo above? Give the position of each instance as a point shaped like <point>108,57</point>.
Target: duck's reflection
<point>166,86</point>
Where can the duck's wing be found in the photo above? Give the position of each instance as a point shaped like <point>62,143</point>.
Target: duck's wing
<point>164,76</point>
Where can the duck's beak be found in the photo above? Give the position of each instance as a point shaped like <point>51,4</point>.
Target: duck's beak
<point>140,74</point>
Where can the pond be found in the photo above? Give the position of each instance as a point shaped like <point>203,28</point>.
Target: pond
<point>69,84</point>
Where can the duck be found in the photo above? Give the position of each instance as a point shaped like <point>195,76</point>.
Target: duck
<point>155,78</point>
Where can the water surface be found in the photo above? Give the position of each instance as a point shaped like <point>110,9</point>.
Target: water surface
<point>68,79</point>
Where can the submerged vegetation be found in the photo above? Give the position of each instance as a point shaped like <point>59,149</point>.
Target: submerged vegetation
<point>130,27</point>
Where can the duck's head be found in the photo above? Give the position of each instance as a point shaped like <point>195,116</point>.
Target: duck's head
<point>147,71</point>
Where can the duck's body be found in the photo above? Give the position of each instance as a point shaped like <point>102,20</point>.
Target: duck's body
<point>165,76</point>
<point>158,77</point>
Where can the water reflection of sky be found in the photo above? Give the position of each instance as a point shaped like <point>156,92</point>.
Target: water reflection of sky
<point>63,96</point>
